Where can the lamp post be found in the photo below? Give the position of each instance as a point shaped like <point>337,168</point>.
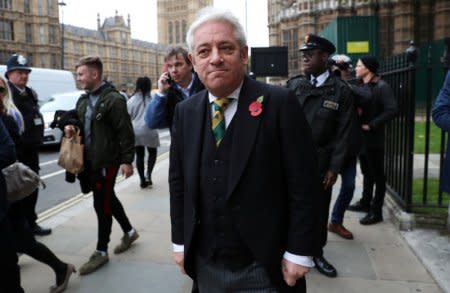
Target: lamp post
<point>62,4</point>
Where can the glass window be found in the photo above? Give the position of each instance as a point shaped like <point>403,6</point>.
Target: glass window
<point>28,33</point>
<point>40,7</point>
<point>49,7</point>
<point>184,30</point>
<point>6,30</point>
<point>113,52</point>
<point>295,39</point>
<point>51,35</point>
<point>177,32</point>
<point>124,53</point>
<point>55,61</point>
<point>26,6</point>
<point>5,4</point>
<point>286,38</point>
<point>42,35</point>
<point>76,47</point>
<point>170,33</point>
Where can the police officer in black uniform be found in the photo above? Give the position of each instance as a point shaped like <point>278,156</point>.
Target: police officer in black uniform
<point>17,72</point>
<point>328,105</point>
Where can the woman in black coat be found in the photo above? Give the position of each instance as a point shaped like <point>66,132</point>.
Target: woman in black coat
<point>21,233</point>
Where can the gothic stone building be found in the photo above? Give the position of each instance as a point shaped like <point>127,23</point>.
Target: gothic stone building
<point>399,21</point>
<point>32,28</point>
<point>174,18</point>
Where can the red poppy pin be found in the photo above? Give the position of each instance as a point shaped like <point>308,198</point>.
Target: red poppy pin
<point>255,107</point>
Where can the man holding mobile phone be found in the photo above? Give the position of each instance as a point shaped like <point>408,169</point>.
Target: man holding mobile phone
<point>177,82</point>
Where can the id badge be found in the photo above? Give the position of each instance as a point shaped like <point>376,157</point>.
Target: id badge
<point>38,121</point>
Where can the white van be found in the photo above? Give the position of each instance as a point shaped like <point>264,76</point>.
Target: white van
<point>47,82</point>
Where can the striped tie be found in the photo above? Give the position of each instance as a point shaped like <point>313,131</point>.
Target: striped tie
<point>218,119</point>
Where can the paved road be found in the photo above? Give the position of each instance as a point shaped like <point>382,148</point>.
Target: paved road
<point>58,190</point>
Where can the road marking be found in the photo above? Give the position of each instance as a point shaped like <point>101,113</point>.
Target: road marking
<point>53,174</point>
<point>81,196</point>
<point>48,163</point>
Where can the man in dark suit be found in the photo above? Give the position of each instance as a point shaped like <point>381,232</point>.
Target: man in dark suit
<point>243,172</point>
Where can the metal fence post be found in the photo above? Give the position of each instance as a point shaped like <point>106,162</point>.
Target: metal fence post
<point>411,56</point>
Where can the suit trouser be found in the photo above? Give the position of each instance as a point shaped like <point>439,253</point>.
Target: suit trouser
<point>30,157</point>
<point>107,205</point>
<point>322,220</point>
<point>372,167</point>
<point>9,269</point>
<point>214,277</point>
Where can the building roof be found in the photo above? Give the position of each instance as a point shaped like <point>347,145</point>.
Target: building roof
<point>85,32</point>
<point>149,45</point>
<point>114,21</point>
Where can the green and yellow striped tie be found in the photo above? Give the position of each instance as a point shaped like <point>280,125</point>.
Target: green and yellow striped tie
<point>218,119</point>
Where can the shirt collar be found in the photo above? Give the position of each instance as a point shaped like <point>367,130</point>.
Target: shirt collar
<point>321,78</point>
<point>233,96</point>
<point>21,90</point>
<point>188,87</point>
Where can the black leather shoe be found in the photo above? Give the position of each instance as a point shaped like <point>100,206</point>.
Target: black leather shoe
<point>371,219</point>
<point>324,267</point>
<point>358,207</point>
<point>39,231</point>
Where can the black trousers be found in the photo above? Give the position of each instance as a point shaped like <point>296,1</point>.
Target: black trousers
<point>322,220</point>
<point>9,269</point>
<point>151,160</point>
<point>372,167</point>
<point>29,155</point>
<point>25,242</point>
<point>107,205</point>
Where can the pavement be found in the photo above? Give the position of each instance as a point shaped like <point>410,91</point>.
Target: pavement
<point>379,259</point>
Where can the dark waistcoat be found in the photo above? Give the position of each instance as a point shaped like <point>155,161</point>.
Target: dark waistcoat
<point>219,240</point>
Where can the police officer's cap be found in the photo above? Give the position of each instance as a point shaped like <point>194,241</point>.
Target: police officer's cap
<point>16,62</point>
<point>316,42</point>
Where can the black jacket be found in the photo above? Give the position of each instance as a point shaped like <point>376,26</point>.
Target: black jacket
<point>330,112</point>
<point>27,103</point>
<point>271,191</point>
<point>380,109</point>
<point>7,157</point>
<point>174,96</point>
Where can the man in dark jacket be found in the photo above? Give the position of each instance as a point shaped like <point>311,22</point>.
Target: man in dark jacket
<point>381,108</point>
<point>177,83</point>
<point>328,106</point>
<point>342,66</point>
<point>109,146</point>
<point>17,72</point>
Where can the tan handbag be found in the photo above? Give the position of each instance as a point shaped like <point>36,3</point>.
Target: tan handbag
<point>71,153</point>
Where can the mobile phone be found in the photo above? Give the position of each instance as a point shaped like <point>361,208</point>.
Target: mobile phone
<point>165,68</point>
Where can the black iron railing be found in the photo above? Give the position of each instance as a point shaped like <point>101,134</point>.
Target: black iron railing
<point>402,161</point>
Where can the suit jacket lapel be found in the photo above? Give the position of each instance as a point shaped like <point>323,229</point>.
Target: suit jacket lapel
<point>193,135</point>
<point>245,132</point>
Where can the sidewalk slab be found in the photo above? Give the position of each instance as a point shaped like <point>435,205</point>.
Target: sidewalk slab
<point>377,260</point>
